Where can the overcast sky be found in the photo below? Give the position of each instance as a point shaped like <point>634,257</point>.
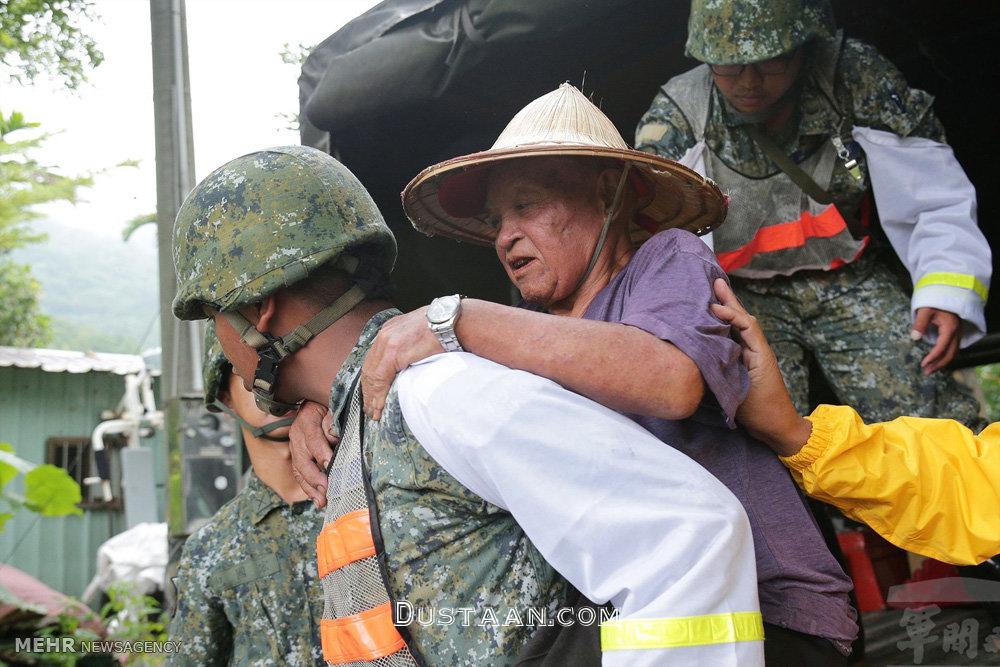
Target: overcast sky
<point>238,86</point>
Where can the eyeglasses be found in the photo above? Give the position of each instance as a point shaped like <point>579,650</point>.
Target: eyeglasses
<point>778,65</point>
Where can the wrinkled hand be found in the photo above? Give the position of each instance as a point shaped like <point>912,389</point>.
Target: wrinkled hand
<point>311,445</point>
<point>946,347</point>
<point>402,341</point>
<point>768,412</point>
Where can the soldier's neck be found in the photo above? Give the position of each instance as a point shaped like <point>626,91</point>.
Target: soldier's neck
<point>272,463</point>
<point>312,369</point>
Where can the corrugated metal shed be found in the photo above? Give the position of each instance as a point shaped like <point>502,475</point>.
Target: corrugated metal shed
<point>70,361</point>
<point>56,393</point>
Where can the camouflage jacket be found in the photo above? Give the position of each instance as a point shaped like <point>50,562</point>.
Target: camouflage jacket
<point>247,587</point>
<point>459,562</point>
<point>868,91</point>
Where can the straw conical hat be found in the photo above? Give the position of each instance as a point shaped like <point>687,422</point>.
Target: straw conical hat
<point>448,198</point>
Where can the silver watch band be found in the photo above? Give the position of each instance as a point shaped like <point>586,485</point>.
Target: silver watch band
<point>442,324</point>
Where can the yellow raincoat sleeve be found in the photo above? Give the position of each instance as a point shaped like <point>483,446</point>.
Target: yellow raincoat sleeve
<point>930,486</point>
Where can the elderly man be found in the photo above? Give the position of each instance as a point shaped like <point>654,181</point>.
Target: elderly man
<point>557,202</point>
<point>288,254</point>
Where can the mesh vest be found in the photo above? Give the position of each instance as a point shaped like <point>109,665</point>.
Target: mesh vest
<point>357,628</point>
<point>773,228</point>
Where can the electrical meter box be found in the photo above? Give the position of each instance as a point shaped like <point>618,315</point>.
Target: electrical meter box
<point>206,464</point>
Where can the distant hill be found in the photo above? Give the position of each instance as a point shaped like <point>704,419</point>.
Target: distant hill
<point>100,291</point>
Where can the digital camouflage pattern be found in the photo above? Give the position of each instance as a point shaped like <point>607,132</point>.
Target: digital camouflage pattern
<point>247,586</point>
<point>264,221</point>
<point>868,91</point>
<point>855,321</point>
<point>860,332</point>
<point>725,32</point>
<point>215,367</point>
<point>446,546</point>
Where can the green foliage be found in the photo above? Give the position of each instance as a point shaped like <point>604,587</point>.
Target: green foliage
<point>132,616</point>
<point>66,625</point>
<point>293,54</point>
<point>47,37</point>
<point>22,323</point>
<point>48,489</point>
<point>24,184</point>
<point>135,223</point>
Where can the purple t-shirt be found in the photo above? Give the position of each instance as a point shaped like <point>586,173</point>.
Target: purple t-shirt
<point>665,289</point>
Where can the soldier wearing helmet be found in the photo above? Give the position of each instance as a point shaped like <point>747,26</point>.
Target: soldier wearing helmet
<point>812,136</point>
<point>287,253</point>
<point>246,583</point>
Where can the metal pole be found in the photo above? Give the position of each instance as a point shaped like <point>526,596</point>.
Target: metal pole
<point>174,178</point>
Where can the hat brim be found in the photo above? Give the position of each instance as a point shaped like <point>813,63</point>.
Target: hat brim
<point>447,198</point>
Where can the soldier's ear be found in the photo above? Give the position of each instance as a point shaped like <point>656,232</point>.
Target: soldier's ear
<point>227,388</point>
<point>266,312</point>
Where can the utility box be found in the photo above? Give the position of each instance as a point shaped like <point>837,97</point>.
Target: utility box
<point>207,466</point>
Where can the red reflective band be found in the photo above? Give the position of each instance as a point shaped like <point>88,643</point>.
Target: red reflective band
<point>837,263</point>
<point>344,541</point>
<point>785,235</point>
<point>369,635</point>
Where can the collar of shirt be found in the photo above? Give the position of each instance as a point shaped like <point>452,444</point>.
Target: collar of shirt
<point>259,499</point>
<point>344,380</point>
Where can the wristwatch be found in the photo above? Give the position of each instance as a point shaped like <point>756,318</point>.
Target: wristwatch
<point>441,317</point>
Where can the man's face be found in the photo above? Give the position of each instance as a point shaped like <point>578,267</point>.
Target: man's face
<point>753,90</point>
<point>241,401</point>
<point>548,217</point>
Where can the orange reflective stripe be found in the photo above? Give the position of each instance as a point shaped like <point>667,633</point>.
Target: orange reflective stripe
<point>344,541</point>
<point>785,235</point>
<point>369,635</point>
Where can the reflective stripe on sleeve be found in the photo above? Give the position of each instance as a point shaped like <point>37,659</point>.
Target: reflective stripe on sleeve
<point>963,280</point>
<point>654,633</point>
<point>367,636</point>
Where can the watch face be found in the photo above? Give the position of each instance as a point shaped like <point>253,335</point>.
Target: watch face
<point>442,309</point>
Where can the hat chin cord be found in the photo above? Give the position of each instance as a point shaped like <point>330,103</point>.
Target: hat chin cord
<point>271,350</point>
<point>612,212</point>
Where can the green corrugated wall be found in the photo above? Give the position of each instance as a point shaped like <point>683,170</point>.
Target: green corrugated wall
<point>36,405</point>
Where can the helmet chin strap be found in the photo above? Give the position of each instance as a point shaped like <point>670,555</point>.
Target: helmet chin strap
<point>262,432</point>
<point>271,350</point>
<point>612,212</point>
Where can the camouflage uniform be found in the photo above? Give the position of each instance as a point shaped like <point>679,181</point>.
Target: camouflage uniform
<point>247,587</point>
<point>446,546</point>
<point>854,319</point>
<point>261,223</point>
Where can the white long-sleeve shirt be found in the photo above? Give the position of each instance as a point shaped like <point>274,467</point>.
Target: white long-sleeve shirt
<point>622,516</point>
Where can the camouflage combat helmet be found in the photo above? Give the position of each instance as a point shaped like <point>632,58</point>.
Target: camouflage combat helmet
<point>265,221</point>
<point>215,373</point>
<point>727,32</point>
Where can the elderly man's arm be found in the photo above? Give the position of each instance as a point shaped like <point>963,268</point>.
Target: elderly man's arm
<point>620,366</point>
<point>619,514</point>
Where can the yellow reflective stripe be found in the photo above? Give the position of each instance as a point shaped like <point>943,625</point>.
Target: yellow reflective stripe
<point>954,280</point>
<point>651,633</point>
